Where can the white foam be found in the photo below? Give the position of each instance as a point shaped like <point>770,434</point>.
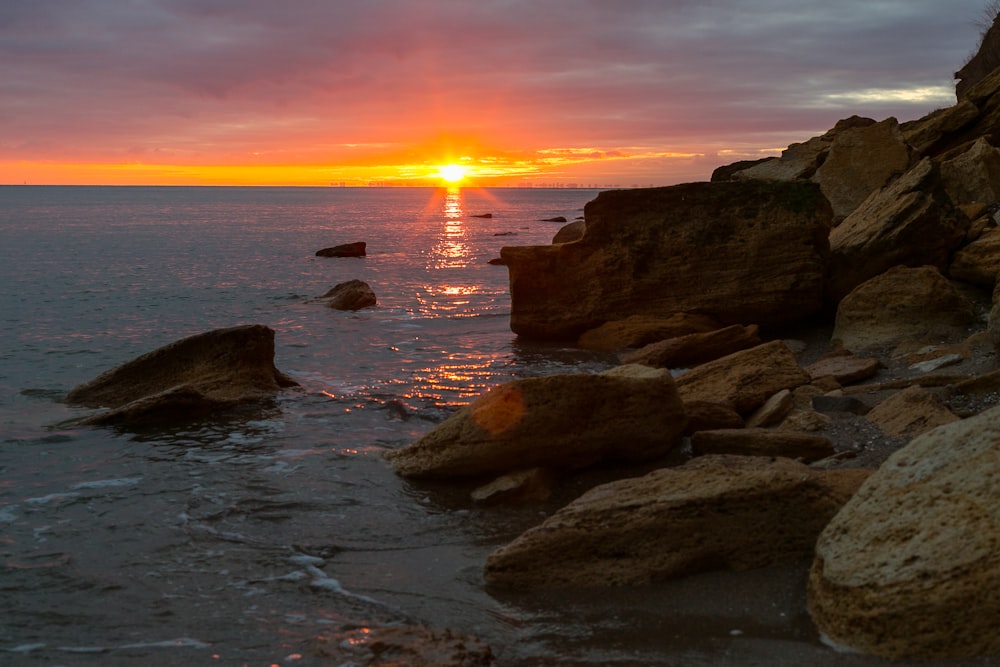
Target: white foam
<point>56,497</point>
<point>26,648</point>
<point>7,513</point>
<point>323,581</point>
<point>306,559</point>
<point>108,483</point>
<point>180,642</point>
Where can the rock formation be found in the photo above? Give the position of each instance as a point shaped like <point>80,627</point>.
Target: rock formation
<point>186,379</point>
<point>350,295</point>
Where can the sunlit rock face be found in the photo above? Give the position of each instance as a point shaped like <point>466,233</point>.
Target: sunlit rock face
<point>630,413</point>
<point>741,252</point>
<point>188,378</point>
<point>716,512</point>
<point>910,568</point>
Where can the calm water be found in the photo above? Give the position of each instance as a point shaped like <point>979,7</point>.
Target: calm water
<point>236,541</point>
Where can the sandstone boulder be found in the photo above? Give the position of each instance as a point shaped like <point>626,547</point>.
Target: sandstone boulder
<point>930,134</point>
<point>350,295</point>
<point>861,160</point>
<point>910,222</point>
<point>187,379</point>
<point>709,415</point>
<point>774,410</point>
<point>978,262</point>
<point>910,568</point>
<point>630,413</point>
<point>745,379</point>
<point>716,512</point>
<point>356,249</point>
<point>696,348</point>
<point>973,177</point>
<point>903,304</point>
<point>640,330</point>
<point>762,442</point>
<point>910,412</point>
<point>648,251</point>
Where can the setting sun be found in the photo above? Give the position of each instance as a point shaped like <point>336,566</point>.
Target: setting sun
<point>452,173</point>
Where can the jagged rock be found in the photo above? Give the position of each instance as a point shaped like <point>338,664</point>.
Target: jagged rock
<point>640,330</point>
<point>861,160</point>
<point>648,251</point>
<point>762,442</point>
<point>716,512</point>
<point>798,161</point>
<point>727,172</point>
<point>928,134</point>
<point>350,295</point>
<point>745,379</point>
<point>773,411</point>
<point>978,262</point>
<point>974,176</point>
<point>710,415</point>
<point>357,249</point>
<point>910,412</point>
<point>844,368</point>
<point>910,222</point>
<point>911,304</point>
<point>983,63</point>
<point>571,232</point>
<point>629,413</point>
<point>696,348</point>
<point>187,379</point>
<point>909,568</point>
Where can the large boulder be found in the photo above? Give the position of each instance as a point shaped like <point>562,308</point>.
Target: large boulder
<point>910,412</point>
<point>740,252</point>
<point>910,568</point>
<point>862,160</point>
<point>903,304</point>
<point>350,295</point>
<point>716,512</point>
<point>973,176</point>
<point>744,379</point>
<point>631,413</point>
<point>910,222</point>
<point>186,379</point>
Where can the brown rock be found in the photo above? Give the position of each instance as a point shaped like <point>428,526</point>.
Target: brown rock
<point>844,368</point>
<point>716,512</point>
<point>928,135</point>
<point>762,442</point>
<point>640,330</point>
<point>648,251</point>
<point>903,304</point>
<point>630,413</point>
<point>696,348</point>
<point>746,379</point>
<point>862,160</point>
<point>350,295</point>
<point>357,249</point>
<point>571,232</point>
<point>982,63</point>
<point>709,415</point>
<point>910,412</point>
<point>186,379</point>
<point>974,176</point>
<point>773,411</point>
<point>909,568</point>
<point>978,262</point>
<point>910,222</point>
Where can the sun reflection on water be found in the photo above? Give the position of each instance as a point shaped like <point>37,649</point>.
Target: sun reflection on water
<point>452,249</point>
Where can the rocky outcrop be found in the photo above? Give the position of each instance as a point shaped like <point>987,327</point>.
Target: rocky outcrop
<point>356,249</point>
<point>744,379</point>
<point>903,304</point>
<point>909,568</point>
<point>696,348</point>
<point>648,252</point>
<point>350,295</point>
<point>187,379</point>
<point>983,63</point>
<point>716,512</point>
<point>630,413</point>
<point>911,222</point>
<point>860,161</point>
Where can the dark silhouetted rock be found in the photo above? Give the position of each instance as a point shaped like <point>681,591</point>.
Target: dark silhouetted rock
<point>558,218</point>
<point>357,249</point>
<point>571,232</point>
<point>187,379</point>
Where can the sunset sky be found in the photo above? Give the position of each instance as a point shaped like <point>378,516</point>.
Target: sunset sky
<point>588,92</point>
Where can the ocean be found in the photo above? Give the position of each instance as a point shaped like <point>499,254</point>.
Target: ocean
<point>247,538</point>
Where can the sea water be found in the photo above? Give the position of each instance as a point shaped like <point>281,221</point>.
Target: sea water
<point>244,538</point>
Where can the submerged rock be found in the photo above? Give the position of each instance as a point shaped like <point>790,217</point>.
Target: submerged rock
<point>356,249</point>
<point>910,568</point>
<point>716,512</point>
<point>630,413</point>
<point>186,379</point>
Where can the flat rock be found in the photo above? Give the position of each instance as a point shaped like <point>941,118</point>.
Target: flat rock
<point>695,348</point>
<point>709,415</point>
<point>356,249</point>
<point>744,379</point>
<point>189,378</point>
<point>909,568</point>
<point>844,368</point>
<point>715,512</point>
<point>648,251</point>
<point>631,413</point>
<point>807,447</point>
<point>640,330</point>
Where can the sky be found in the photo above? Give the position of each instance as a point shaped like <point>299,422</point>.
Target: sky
<point>510,92</point>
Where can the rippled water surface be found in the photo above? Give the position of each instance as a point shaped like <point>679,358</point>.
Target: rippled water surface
<point>241,540</point>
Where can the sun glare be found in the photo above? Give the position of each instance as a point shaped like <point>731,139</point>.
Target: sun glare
<point>451,173</point>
